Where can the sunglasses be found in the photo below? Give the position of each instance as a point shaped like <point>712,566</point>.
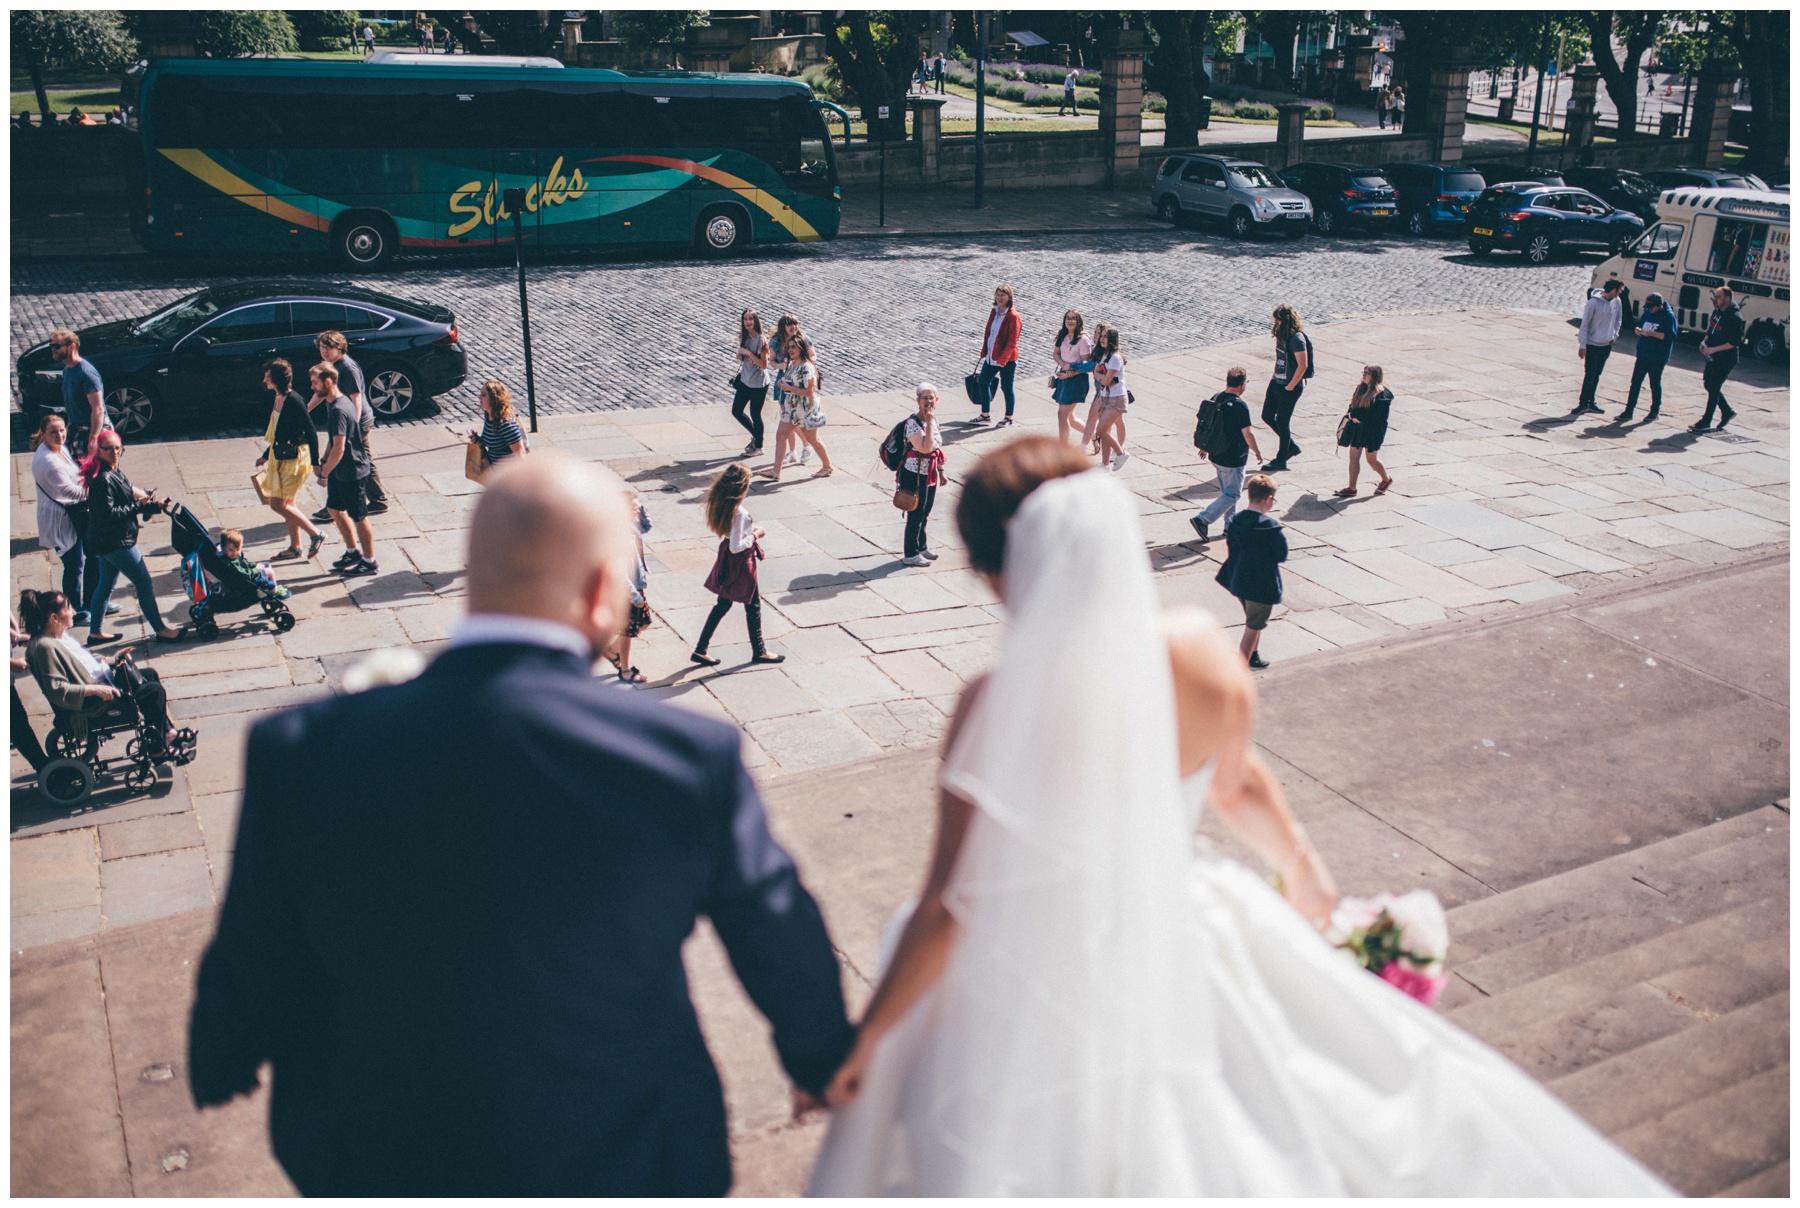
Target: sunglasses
<point>59,343</point>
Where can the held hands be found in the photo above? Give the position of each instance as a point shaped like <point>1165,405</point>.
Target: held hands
<point>846,1084</point>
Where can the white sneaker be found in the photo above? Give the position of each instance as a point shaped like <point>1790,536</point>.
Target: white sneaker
<point>915,560</point>
<point>793,459</point>
<point>805,455</point>
<point>929,554</point>
<point>1119,462</point>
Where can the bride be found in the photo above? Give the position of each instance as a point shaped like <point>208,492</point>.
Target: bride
<point>1081,1003</point>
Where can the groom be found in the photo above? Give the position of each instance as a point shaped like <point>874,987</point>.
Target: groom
<point>456,911</point>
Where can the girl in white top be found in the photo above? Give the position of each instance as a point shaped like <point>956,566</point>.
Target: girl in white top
<point>728,518</point>
<point>59,484</point>
<point>1109,406</point>
<point>1070,384</point>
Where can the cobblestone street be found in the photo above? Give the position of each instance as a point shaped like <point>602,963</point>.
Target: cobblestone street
<point>611,334</point>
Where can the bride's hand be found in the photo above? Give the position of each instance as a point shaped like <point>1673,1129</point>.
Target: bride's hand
<point>846,1084</point>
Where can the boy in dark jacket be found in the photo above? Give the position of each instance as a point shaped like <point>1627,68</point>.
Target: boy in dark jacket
<point>1255,549</point>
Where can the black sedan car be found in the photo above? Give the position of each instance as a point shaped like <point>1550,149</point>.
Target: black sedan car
<point>203,354</point>
<point>1542,220</point>
<point>1619,187</point>
<point>1344,195</point>
<point>1706,178</point>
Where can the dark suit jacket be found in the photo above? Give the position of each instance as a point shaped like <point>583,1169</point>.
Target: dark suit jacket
<point>454,926</point>
<point>1256,547</point>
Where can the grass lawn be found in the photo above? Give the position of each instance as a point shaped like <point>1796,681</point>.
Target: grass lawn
<point>98,103</point>
<point>1271,121</point>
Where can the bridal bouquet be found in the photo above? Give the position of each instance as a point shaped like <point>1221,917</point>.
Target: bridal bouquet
<point>1401,939</point>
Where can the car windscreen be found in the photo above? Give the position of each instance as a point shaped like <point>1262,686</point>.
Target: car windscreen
<point>1370,182</point>
<point>1631,182</point>
<point>178,318</point>
<point>1463,182</point>
<point>1254,177</point>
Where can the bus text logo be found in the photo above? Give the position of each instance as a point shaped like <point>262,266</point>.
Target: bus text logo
<point>486,209</point>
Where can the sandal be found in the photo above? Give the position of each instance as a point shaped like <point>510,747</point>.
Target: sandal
<point>1346,493</point>
<point>824,473</point>
<point>287,555</point>
<point>1384,485</point>
<point>312,546</point>
<point>633,676</point>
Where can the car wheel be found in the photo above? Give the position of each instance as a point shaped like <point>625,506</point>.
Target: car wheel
<point>1540,248</point>
<point>131,409</point>
<point>1415,222</point>
<point>1168,209</point>
<point>1481,247</point>
<point>1240,222</point>
<point>393,389</point>
<point>1765,342</point>
<point>722,230</point>
<point>365,239</point>
<point>1324,221</point>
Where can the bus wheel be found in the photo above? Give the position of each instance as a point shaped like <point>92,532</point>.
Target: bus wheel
<point>364,239</point>
<point>722,230</point>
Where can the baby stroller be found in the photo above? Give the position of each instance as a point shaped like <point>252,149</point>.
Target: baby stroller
<point>68,779</point>
<point>213,584</point>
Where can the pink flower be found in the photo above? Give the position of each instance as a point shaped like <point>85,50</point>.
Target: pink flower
<point>1422,986</point>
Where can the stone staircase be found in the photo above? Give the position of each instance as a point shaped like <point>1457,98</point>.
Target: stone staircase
<point>1649,990</point>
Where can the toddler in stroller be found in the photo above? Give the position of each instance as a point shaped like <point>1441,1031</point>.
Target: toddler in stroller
<point>220,582</point>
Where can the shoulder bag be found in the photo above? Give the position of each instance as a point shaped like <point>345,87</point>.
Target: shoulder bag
<point>475,462</point>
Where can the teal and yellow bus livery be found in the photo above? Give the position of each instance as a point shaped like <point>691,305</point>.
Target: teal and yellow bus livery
<point>365,159</point>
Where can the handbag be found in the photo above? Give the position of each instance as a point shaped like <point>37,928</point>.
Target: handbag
<point>475,462</point>
<point>733,576</point>
<point>906,501</point>
<point>1346,430</point>
<point>284,450</point>
<point>972,386</point>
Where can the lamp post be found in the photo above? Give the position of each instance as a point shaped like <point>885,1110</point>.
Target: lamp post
<point>514,200</point>
<point>981,37</point>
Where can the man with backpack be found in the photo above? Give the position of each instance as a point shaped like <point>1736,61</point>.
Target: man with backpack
<point>1223,435</point>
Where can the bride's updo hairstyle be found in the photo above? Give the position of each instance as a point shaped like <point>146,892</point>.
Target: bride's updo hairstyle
<point>997,486</point>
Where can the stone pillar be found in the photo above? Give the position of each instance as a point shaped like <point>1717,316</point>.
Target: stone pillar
<point>1122,106</point>
<point>1290,131</point>
<point>812,22</point>
<point>1444,105</point>
<point>928,126</point>
<point>572,41</point>
<point>1711,115</point>
<point>1582,117</point>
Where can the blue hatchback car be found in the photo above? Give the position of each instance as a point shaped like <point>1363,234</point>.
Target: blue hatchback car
<point>1433,195</point>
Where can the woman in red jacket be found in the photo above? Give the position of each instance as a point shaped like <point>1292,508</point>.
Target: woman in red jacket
<point>999,352</point>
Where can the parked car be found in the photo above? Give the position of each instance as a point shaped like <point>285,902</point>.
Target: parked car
<point>1502,174</point>
<point>204,353</point>
<point>1706,178</point>
<point>1243,193</point>
<point>1619,187</point>
<point>1542,220</point>
<point>1433,195</point>
<point>1345,195</point>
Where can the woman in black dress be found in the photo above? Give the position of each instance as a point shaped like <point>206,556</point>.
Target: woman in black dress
<point>1365,428</point>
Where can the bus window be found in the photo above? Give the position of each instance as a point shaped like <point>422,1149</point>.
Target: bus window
<point>1737,247</point>
<point>805,161</point>
<point>1660,242</point>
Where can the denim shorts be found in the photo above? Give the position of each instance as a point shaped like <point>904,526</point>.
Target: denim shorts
<point>1070,391</point>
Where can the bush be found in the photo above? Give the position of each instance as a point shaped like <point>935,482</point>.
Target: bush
<point>1255,111</point>
<point>824,81</point>
<point>324,29</point>
<point>1320,113</point>
<point>1153,103</point>
<point>232,33</point>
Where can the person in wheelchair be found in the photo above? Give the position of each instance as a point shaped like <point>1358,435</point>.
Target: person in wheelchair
<point>82,687</point>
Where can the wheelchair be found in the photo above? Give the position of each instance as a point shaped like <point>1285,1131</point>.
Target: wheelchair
<point>74,769</point>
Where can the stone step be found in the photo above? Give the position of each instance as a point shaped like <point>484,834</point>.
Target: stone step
<point>1735,1138</point>
<point>1629,883</point>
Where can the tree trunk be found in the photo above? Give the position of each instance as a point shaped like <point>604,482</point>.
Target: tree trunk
<point>1762,38</point>
<point>1621,79</point>
<point>873,82</point>
<point>37,85</point>
<point>1179,77</point>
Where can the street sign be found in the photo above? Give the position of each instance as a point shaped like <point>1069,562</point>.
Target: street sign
<point>882,112</point>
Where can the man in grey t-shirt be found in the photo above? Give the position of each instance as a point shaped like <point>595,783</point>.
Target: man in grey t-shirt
<point>334,350</point>
<point>345,472</point>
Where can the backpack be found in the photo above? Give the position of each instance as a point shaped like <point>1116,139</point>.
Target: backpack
<point>894,448</point>
<point>1204,423</point>
<point>1312,357</point>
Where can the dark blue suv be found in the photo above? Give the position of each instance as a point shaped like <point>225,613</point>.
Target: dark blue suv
<point>1433,195</point>
<point>1541,220</point>
<point>1344,194</point>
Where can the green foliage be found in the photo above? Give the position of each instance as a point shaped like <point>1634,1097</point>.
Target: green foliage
<point>1321,113</point>
<point>1502,39</point>
<point>228,33</point>
<point>324,28</point>
<point>824,81</point>
<point>1694,37</point>
<point>644,28</point>
<point>1255,111</point>
<point>95,39</point>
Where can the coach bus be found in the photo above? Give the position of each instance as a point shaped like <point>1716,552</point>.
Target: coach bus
<point>365,159</point>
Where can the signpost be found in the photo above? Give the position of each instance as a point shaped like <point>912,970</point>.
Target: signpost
<point>882,115</point>
<point>514,200</point>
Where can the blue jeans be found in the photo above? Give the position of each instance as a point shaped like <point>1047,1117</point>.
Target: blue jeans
<point>129,563</point>
<point>1231,485</point>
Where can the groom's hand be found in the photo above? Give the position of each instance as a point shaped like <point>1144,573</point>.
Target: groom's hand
<point>805,1105</point>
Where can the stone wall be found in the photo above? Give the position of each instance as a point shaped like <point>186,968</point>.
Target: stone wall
<point>67,161</point>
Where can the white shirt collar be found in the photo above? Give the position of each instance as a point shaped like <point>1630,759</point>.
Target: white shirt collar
<point>493,628</point>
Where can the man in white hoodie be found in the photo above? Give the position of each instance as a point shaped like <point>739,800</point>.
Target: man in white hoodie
<point>1593,344</point>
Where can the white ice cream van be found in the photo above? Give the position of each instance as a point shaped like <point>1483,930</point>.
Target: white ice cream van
<point>1705,238</point>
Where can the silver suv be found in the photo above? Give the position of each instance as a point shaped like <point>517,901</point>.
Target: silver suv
<point>1245,194</point>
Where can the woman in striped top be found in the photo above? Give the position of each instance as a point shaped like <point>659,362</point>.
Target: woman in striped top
<point>501,436</point>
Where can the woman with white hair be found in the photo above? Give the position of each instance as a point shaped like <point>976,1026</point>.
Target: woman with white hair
<point>921,471</point>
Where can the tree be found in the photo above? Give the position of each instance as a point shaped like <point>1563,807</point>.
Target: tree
<point>1177,66</point>
<point>1280,28</point>
<point>1760,37</point>
<point>324,28</point>
<point>95,39</point>
<point>1638,32</point>
<point>641,29</point>
<point>876,53</point>
<point>230,33</point>
<point>516,31</point>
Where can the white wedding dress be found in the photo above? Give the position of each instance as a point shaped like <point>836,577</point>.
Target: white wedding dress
<point>1125,1015</point>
